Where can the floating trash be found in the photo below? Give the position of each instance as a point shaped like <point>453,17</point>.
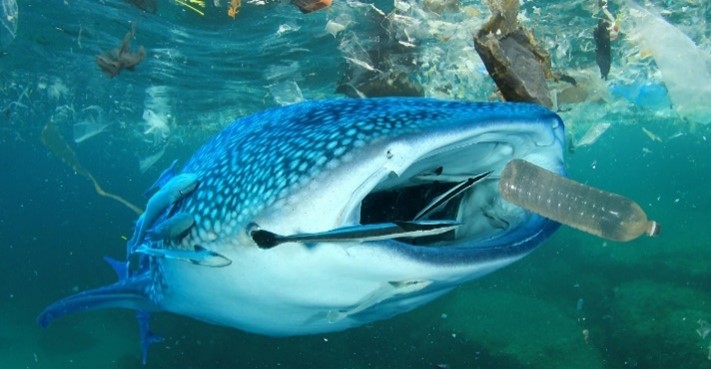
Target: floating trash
<point>234,8</point>
<point>651,135</point>
<point>8,22</point>
<point>601,35</point>
<point>113,61</point>
<point>308,6</point>
<point>334,28</point>
<point>592,134</point>
<point>704,328</point>
<point>147,162</point>
<point>683,65</point>
<point>157,113</point>
<point>513,57</point>
<point>286,93</point>
<point>91,125</point>
<point>574,204</point>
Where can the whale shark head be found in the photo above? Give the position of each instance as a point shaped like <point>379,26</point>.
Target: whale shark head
<point>327,215</point>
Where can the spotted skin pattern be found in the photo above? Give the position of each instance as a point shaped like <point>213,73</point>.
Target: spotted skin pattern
<point>259,159</point>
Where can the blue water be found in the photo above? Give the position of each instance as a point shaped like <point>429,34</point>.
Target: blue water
<point>639,302</point>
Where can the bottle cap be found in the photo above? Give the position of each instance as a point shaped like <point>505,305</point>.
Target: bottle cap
<point>654,229</point>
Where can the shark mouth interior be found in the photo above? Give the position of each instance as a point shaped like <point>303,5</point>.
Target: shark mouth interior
<point>449,197</point>
<point>440,186</point>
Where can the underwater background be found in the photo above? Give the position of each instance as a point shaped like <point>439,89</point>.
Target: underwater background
<point>578,301</point>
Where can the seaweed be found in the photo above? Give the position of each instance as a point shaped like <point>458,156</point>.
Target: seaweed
<point>55,142</point>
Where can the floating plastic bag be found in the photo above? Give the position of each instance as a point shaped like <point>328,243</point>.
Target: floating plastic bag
<point>91,124</point>
<point>8,22</point>
<point>286,93</point>
<point>685,69</point>
<point>157,113</point>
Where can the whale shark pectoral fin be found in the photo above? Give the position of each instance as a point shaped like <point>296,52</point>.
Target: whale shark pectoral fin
<point>128,294</point>
<point>384,292</point>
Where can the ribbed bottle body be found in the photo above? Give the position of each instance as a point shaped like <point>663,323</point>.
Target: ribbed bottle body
<point>589,209</point>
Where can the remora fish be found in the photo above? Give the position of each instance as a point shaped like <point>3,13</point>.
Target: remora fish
<point>324,168</point>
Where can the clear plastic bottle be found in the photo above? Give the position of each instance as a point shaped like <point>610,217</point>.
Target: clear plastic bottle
<point>586,208</point>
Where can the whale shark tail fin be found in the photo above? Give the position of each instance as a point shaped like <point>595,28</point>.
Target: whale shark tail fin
<point>128,293</point>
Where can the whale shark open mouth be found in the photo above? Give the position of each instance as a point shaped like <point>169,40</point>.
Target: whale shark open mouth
<point>438,202</point>
<point>445,198</point>
<point>453,185</point>
<point>456,186</point>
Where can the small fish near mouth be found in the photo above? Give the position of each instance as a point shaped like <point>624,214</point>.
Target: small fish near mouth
<point>362,233</point>
<point>418,227</point>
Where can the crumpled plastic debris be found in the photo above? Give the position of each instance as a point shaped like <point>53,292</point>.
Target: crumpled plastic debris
<point>511,55</point>
<point>8,22</point>
<point>415,49</point>
<point>685,68</point>
<point>113,61</point>
<point>309,6</point>
<point>157,114</point>
<point>92,123</point>
<point>286,92</point>
<point>382,68</point>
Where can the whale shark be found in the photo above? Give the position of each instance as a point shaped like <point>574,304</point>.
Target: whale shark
<point>329,214</point>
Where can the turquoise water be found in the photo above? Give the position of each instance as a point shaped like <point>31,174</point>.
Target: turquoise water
<point>639,302</point>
